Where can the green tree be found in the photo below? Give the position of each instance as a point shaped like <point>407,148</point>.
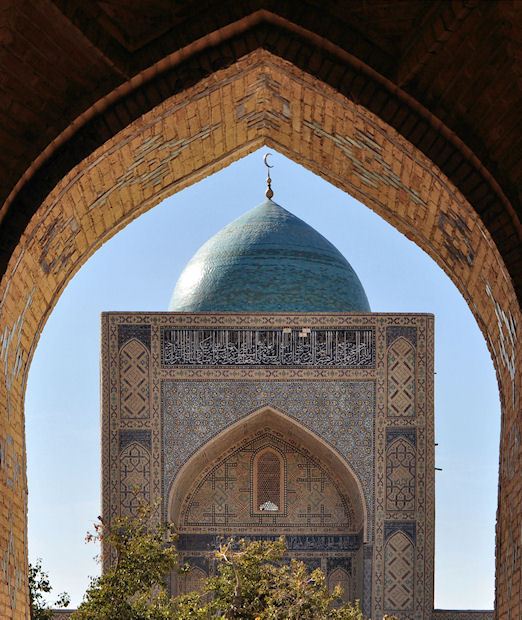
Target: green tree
<point>39,586</point>
<point>254,582</point>
<point>133,588</point>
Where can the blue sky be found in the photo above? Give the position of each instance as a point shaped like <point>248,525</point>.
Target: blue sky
<point>137,270</point>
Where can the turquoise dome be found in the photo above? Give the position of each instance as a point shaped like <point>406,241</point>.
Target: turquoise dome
<point>268,260</point>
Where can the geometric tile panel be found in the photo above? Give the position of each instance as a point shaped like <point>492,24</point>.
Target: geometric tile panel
<point>367,570</point>
<point>134,478</point>
<point>134,381</point>
<point>140,436</point>
<point>408,432</point>
<point>269,478</point>
<point>399,573</point>
<point>401,471</point>
<point>378,418</point>
<point>136,332</point>
<point>226,496</point>
<point>340,412</point>
<point>406,527</point>
<point>401,379</point>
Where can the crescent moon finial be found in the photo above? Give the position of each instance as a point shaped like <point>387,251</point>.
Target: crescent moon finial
<point>269,192</point>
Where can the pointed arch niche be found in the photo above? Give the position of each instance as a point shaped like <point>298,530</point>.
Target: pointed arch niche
<point>267,476</point>
<point>303,462</point>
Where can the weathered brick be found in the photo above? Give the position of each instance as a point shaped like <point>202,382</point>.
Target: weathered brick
<point>460,67</point>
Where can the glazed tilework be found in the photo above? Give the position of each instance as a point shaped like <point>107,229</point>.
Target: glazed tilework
<point>134,478</point>
<point>341,413</point>
<point>367,579</point>
<point>350,348</point>
<point>462,614</point>
<point>382,424</point>
<point>337,545</point>
<point>339,576</point>
<point>141,437</point>
<point>134,380</point>
<point>134,332</point>
<point>399,573</point>
<point>268,260</point>
<point>401,378</point>
<point>401,476</point>
<point>192,581</point>
<point>226,496</point>
<point>331,553</point>
<point>395,332</point>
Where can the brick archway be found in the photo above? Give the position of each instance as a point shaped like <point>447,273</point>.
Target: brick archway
<point>261,99</point>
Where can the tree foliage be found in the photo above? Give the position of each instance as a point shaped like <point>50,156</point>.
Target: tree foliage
<point>39,587</point>
<point>254,581</point>
<point>133,588</point>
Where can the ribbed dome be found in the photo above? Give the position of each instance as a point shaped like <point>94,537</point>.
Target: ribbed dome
<point>268,260</point>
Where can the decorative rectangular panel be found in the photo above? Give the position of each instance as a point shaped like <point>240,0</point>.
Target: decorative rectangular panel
<point>134,478</point>
<point>268,347</point>
<point>399,573</point>
<point>401,379</point>
<point>134,381</point>
<point>335,543</point>
<point>401,470</point>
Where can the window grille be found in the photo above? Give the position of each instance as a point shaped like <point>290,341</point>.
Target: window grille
<point>269,482</point>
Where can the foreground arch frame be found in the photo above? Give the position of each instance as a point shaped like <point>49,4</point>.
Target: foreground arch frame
<point>260,99</point>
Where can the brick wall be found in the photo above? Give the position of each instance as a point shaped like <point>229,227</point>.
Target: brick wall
<point>259,100</point>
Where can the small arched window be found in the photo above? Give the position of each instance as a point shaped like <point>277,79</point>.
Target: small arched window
<point>339,577</point>
<point>268,481</point>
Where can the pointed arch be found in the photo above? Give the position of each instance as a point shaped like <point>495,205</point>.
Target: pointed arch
<point>268,477</point>
<point>134,477</point>
<point>340,577</point>
<point>349,146</point>
<point>191,581</point>
<point>260,421</point>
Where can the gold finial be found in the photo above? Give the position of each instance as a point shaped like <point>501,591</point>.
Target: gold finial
<point>269,193</point>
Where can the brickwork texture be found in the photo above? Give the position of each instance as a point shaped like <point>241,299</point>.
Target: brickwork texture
<point>413,108</point>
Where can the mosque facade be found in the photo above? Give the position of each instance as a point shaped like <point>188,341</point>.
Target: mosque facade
<point>271,401</point>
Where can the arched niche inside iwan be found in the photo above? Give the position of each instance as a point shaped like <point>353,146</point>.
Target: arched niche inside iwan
<point>264,477</point>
